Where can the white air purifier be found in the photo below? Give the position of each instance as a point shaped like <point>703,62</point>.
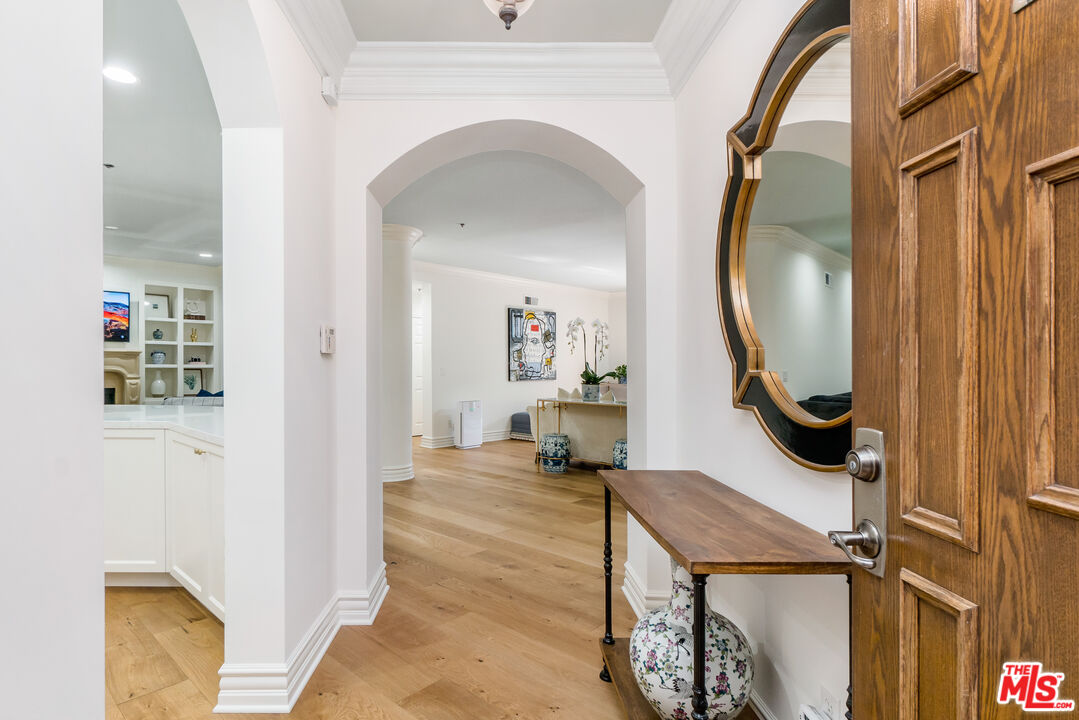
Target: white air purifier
<point>468,432</point>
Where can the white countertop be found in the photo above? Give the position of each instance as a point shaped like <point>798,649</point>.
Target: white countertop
<point>202,423</point>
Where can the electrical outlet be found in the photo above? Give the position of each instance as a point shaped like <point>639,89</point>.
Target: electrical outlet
<point>829,705</point>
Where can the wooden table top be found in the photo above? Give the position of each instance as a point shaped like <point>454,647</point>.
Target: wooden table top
<point>709,528</point>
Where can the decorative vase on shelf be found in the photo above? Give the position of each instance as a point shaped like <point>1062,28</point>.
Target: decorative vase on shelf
<point>194,335</point>
<point>158,334</point>
<point>661,654</point>
<point>590,393</point>
<point>157,387</point>
<point>157,357</point>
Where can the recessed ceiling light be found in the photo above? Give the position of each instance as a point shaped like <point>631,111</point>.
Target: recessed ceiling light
<point>111,227</point>
<point>206,255</point>
<point>119,75</point>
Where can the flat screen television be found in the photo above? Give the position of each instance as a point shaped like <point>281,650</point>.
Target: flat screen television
<point>117,316</point>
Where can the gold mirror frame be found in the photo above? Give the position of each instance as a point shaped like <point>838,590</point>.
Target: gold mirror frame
<point>809,441</point>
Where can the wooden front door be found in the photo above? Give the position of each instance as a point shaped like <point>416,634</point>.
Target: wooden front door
<point>966,351</point>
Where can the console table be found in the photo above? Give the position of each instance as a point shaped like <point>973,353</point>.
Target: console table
<point>709,529</point>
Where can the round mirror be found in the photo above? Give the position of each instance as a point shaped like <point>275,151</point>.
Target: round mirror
<point>797,256</point>
<point>783,250</point>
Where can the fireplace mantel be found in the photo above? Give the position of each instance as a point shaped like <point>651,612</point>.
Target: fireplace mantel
<point>122,373</point>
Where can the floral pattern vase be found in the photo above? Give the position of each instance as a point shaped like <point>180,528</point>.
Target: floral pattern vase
<point>661,653</point>
<point>590,393</point>
<point>620,456</point>
<point>554,452</point>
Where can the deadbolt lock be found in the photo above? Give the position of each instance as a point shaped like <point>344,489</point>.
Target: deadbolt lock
<point>864,463</point>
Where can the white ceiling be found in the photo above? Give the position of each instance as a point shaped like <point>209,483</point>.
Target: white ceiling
<point>525,215</point>
<point>163,136</point>
<point>472,21</point>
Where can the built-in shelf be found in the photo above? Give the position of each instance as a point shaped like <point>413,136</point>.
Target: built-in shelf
<point>176,331</point>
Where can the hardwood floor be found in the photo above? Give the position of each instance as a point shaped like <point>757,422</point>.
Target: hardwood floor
<point>495,605</point>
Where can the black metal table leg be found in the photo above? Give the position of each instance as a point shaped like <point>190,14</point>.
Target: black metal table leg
<point>608,637</point>
<point>700,700</point>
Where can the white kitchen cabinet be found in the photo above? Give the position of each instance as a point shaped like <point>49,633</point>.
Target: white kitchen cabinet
<point>195,511</point>
<point>135,501</point>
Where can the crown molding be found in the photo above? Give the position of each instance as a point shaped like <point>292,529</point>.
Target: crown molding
<point>504,71</point>
<point>323,30</point>
<point>687,32</point>
<point>783,235</point>
<point>515,71</point>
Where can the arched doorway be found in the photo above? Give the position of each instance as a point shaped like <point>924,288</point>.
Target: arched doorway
<point>649,208</point>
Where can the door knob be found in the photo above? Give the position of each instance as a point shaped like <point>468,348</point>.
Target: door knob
<point>864,463</point>
<point>866,538</point>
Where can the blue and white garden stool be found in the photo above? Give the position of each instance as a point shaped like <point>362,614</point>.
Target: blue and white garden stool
<point>620,458</point>
<point>554,452</point>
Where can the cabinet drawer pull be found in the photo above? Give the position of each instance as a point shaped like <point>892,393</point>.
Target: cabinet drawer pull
<point>199,452</point>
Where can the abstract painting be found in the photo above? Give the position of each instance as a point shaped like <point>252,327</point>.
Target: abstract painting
<point>532,344</point>
<point>117,316</point>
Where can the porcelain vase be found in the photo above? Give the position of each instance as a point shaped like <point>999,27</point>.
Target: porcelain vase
<point>620,455</point>
<point>157,387</point>
<point>590,393</point>
<point>554,452</point>
<point>661,653</point>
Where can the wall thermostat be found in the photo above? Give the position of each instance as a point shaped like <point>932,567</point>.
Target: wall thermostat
<point>327,340</point>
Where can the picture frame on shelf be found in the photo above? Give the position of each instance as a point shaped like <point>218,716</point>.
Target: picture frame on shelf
<point>192,381</point>
<point>157,306</point>
<point>194,309</point>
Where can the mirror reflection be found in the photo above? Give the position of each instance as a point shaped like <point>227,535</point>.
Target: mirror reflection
<point>798,246</point>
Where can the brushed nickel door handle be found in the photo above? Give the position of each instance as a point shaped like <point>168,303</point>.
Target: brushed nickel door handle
<point>866,538</point>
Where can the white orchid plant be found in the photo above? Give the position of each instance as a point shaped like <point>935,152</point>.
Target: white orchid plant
<point>600,346</point>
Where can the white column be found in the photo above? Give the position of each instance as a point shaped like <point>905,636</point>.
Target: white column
<point>397,243</point>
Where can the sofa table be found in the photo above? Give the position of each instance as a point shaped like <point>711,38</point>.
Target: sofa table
<point>615,409</point>
<point>709,529</point>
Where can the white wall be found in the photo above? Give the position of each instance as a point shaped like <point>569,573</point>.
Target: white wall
<point>469,352</point>
<point>51,522</point>
<point>804,325</point>
<point>798,625</point>
<point>308,262</point>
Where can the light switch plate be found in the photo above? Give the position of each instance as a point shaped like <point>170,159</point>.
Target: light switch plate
<point>327,340</point>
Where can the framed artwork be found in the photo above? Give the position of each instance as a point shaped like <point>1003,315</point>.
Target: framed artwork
<point>157,306</point>
<point>192,381</point>
<point>533,342</point>
<point>117,316</point>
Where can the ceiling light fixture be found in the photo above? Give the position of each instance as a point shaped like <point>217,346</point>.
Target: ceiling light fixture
<point>111,227</point>
<point>118,74</point>
<point>206,255</point>
<point>508,10</point>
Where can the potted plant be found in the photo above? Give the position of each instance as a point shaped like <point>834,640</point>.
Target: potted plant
<point>590,380</point>
<point>620,373</point>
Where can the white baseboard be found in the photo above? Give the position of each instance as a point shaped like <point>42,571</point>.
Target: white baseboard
<point>495,435</point>
<point>434,443</point>
<point>140,579</point>
<point>360,608</point>
<point>275,688</point>
<point>762,710</point>
<point>640,600</point>
<point>397,474</point>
